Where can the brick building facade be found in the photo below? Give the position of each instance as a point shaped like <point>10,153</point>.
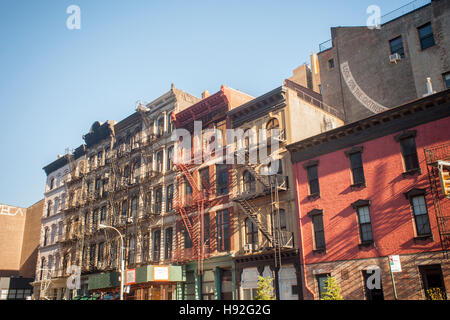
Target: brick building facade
<point>363,193</point>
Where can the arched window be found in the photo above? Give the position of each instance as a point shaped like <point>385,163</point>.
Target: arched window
<point>251,233</point>
<point>45,236</point>
<point>53,234</point>
<point>56,207</point>
<point>249,182</point>
<point>171,125</point>
<point>160,126</point>
<point>49,208</point>
<point>41,269</point>
<point>272,124</point>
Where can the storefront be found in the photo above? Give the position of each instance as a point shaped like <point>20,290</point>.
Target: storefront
<point>151,282</point>
<point>286,279</point>
<point>214,282</point>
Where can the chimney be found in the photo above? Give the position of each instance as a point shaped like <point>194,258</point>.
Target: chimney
<point>205,94</point>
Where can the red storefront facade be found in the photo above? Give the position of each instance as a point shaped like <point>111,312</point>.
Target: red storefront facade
<point>363,193</point>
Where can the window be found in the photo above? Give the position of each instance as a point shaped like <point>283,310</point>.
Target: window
<point>318,230</point>
<point>131,250</point>
<point>41,273</point>
<point>99,158</point>
<point>188,186</point>
<point>251,232</point>
<point>169,158</point>
<point>396,46</point>
<point>223,230</point>
<point>169,198</point>
<point>45,236</point>
<point>94,219</point>
<point>103,214</point>
<point>98,184</point>
<point>331,63</point>
<point>204,179</point>
<point>426,36</point>
<point>447,80</point>
<point>158,201</point>
<point>168,243</point>
<point>222,179</point>
<point>86,220</point>
<point>145,246</point>
<point>159,161</point>
<point>421,215</point>
<point>171,125</point>
<point>356,165</point>
<point>249,182</point>
<point>365,225</point>
<point>187,239</point>
<point>124,209</point>
<point>49,208</point>
<point>272,124</point>
<point>107,154</point>
<point>409,150</point>
<point>160,127</point>
<point>156,244</point>
<point>52,183</point>
<point>100,251</point>
<point>92,254</point>
<point>206,224</point>
<point>134,207</point>
<point>280,220</point>
<point>322,283</point>
<point>313,179</point>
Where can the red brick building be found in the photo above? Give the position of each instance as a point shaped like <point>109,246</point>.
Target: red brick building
<point>363,193</point>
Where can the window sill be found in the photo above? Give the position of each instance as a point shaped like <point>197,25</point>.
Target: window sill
<point>319,251</point>
<point>366,244</point>
<point>358,185</point>
<point>313,196</point>
<point>412,172</point>
<point>427,237</point>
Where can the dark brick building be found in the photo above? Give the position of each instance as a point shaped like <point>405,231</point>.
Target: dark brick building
<point>361,74</point>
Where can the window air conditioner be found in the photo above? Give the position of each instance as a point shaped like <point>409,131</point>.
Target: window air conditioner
<point>393,58</point>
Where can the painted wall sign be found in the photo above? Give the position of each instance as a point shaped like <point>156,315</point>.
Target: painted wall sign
<point>10,211</point>
<point>359,94</point>
<point>160,273</point>
<point>131,276</point>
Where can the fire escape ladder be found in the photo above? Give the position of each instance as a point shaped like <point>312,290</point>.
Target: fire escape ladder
<point>251,212</point>
<point>438,167</point>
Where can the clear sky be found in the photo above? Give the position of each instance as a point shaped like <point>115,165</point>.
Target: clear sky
<point>55,82</point>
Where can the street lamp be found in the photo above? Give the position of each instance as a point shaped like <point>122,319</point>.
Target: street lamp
<point>122,262</point>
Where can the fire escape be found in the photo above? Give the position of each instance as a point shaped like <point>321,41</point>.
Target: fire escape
<point>438,165</point>
<point>272,184</point>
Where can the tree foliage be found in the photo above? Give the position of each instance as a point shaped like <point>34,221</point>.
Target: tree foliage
<point>265,289</point>
<point>332,290</point>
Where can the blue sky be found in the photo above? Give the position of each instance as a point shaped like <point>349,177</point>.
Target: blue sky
<point>55,82</point>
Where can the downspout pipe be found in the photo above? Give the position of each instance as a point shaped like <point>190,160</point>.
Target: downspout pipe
<point>300,236</point>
